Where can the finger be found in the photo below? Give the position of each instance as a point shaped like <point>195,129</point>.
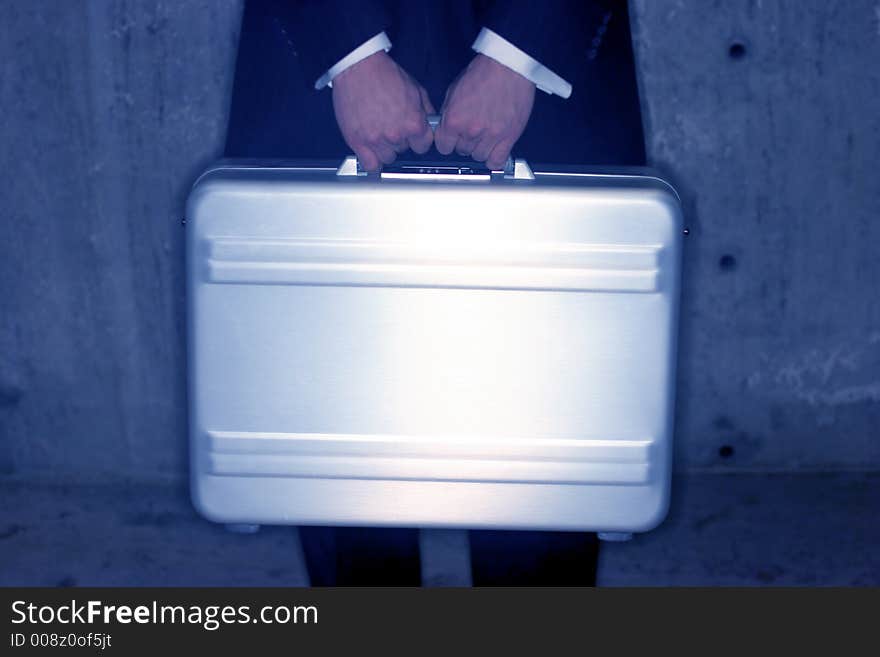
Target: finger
<point>385,153</point>
<point>426,101</point>
<point>397,146</point>
<point>368,160</point>
<point>465,146</point>
<point>445,138</point>
<point>394,139</point>
<point>498,157</point>
<point>483,148</point>
<point>448,95</point>
<point>421,142</point>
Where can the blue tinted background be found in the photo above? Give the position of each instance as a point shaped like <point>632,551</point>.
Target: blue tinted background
<point>764,114</point>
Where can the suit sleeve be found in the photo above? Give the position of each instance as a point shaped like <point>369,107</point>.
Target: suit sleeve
<point>557,33</point>
<point>324,31</point>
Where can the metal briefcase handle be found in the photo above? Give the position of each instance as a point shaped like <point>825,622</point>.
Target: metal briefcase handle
<point>516,169</point>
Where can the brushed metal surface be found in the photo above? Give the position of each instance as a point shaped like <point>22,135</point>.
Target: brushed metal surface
<point>575,267</point>
<point>451,458</point>
<point>491,353</point>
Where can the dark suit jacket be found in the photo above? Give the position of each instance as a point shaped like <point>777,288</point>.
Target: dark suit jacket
<point>558,33</point>
<point>286,45</point>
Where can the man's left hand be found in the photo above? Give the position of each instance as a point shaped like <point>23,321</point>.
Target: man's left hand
<point>485,111</point>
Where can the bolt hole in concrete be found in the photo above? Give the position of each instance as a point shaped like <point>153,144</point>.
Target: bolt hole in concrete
<point>737,50</point>
<point>726,451</point>
<point>727,262</point>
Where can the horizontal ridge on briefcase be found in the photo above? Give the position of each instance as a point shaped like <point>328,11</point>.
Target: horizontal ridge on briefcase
<point>438,345</point>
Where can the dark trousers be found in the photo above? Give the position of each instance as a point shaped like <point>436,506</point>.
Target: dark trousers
<point>275,113</point>
<point>357,556</point>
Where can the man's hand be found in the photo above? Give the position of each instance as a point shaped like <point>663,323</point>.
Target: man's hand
<point>486,110</point>
<point>381,111</point>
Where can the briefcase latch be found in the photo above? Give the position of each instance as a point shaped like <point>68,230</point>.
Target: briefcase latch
<point>518,169</point>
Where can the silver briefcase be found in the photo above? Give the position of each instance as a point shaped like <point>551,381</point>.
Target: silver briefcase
<point>432,346</point>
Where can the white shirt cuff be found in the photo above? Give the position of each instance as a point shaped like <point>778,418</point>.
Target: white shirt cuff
<point>504,52</point>
<point>369,47</point>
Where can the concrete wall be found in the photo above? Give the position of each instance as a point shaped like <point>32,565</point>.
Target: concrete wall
<point>767,113</point>
<point>111,107</point>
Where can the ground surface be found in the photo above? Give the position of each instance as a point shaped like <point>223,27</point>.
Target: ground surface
<point>722,530</point>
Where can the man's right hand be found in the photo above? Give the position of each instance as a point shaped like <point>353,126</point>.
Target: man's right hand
<point>381,111</point>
